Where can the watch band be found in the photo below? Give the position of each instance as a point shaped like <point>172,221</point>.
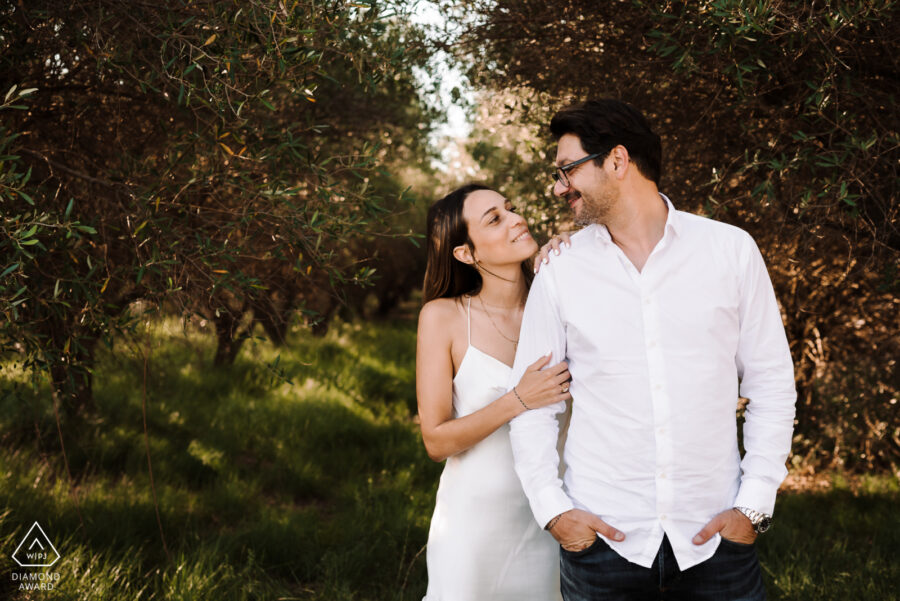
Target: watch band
<point>761,521</point>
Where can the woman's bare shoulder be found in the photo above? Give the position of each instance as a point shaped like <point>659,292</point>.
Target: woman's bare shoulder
<point>440,312</point>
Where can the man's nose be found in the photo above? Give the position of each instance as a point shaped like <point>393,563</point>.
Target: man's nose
<point>559,188</point>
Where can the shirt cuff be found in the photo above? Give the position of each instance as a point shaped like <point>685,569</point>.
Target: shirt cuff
<point>549,503</point>
<point>758,495</point>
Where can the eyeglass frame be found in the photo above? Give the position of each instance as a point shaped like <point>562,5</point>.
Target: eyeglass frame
<point>560,174</point>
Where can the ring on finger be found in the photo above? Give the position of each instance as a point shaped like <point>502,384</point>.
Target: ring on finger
<point>565,388</point>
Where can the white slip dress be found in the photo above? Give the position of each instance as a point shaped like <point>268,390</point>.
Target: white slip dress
<point>484,543</point>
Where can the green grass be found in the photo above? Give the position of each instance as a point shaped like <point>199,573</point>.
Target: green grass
<point>298,473</point>
<point>839,544</point>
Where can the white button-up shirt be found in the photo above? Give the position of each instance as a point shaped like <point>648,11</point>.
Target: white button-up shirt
<point>658,359</point>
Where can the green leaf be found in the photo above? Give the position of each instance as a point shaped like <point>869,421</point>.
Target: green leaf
<point>9,270</point>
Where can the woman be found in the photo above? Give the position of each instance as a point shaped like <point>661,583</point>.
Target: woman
<point>483,542</point>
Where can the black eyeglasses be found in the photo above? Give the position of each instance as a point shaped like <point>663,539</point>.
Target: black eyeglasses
<point>560,174</point>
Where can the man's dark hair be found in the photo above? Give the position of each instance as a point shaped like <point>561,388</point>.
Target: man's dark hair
<point>601,125</point>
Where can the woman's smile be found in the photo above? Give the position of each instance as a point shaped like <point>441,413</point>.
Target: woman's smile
<point>523,236</point>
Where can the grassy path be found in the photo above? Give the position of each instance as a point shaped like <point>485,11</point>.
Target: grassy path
<point>298,473</point>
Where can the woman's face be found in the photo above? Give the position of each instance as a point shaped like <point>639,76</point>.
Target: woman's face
<point>500,236</point>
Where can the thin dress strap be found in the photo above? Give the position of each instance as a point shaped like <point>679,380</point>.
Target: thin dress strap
<point>469,320</point>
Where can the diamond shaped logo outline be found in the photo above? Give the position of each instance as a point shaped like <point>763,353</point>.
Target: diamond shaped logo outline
<point>27,538</point>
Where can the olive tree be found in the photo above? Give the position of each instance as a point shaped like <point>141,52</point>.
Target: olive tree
<point>776,116</point>
<point>208,156</point>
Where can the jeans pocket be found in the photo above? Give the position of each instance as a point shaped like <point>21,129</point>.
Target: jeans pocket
<point>591,547</point>
<point>737,546</point>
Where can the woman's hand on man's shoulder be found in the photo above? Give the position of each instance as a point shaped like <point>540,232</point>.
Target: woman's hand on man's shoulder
<point>554,246</point>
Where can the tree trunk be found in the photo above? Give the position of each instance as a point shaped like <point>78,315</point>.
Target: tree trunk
<point>228,337</point>
<point>275,317</point>
<point>73,381</point>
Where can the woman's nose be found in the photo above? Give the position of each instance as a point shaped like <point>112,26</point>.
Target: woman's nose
<point>517,218</point>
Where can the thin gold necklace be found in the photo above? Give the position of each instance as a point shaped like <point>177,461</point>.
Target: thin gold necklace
<point>499,331</point>
<point>504,308</point>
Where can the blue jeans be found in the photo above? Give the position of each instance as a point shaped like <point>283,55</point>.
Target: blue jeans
<point>600,574</point>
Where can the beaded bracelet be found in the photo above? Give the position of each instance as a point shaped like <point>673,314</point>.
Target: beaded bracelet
<point>515,392</point>
<point>552,523</point>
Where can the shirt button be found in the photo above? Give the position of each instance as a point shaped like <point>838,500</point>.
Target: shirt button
<point>658,387</point>
<point>661,431</point>
<point>652,344</point>
<point>662,476</point>
<point>662,517</point>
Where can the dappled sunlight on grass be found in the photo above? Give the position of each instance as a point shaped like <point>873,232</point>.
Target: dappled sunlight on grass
<point>298,473</point>
<point>833,545</point>
<point>298,463</point>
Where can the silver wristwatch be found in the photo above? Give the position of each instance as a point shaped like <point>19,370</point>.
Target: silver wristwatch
<point>761,522</point>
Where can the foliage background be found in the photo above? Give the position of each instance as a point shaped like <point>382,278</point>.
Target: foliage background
<point>223,159</point>
<point>777,117</point>
<point>208,207</point>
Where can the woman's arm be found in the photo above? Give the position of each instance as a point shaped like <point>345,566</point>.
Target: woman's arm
<point>442,434</point>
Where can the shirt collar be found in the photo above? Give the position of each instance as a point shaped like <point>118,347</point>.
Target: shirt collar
<point>673,222</point>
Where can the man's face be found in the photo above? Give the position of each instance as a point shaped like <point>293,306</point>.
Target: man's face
<point>591,193</point>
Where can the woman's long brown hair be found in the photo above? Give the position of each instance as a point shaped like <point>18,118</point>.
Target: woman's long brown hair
<point>445,276</point>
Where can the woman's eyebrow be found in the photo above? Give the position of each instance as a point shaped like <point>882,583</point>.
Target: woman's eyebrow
<point>483,215</point>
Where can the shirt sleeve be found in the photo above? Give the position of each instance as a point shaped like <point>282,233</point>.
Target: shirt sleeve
<point>534,433</point>
<point>766,372</point>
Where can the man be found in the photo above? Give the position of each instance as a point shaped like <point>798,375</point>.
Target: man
<point>665,319</point>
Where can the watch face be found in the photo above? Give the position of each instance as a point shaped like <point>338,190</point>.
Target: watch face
<point>764,524</point>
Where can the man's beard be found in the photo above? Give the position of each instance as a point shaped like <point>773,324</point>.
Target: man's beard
<point>595,209</point>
